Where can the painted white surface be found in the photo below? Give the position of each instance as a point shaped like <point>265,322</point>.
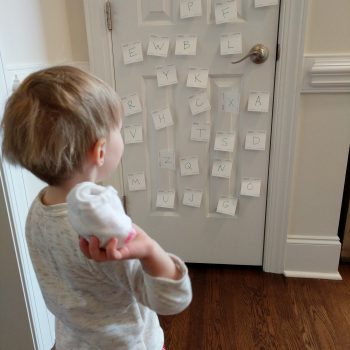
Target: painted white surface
<point>197,235</point>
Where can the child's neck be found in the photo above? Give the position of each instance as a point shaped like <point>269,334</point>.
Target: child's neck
<point>58,194</point>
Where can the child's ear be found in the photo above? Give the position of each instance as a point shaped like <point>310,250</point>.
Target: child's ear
<point>99,152</point>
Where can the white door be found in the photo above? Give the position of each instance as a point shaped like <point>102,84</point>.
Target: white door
<point>196,156</point>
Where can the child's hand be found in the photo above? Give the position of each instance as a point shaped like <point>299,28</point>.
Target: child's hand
<point>138,248</point>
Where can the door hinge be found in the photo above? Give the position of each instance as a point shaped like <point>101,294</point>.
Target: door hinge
<point>125,204</point>
<point>108,14</point>
<point>278,52</point>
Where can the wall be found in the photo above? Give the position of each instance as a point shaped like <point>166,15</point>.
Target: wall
<point>321,152</point>
<point>33,33</point>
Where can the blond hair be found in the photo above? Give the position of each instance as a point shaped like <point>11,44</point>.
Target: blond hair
<point>54,118</point>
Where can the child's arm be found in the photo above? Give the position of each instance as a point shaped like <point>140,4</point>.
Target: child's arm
<point>155,261</point>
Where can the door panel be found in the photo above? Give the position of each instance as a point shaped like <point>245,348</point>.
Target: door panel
<point>197,234</point>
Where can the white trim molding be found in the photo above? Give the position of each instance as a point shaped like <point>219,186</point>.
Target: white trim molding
<point>283,137</point>
<point>326,74</point>
<point>312,257</point>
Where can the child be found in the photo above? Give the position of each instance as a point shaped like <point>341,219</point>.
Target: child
<point>63,125</point>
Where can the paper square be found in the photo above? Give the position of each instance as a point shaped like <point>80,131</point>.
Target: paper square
<point>225,11</point>
<point>132,52</point>
<point>263,3</point>
<point>166,75</point>
<point>131,104</point>
<point>133,134</point>
<point>199,103</point>
<point>162,118</point>
<point>192,198</point>
<point>190,8</point>
<point>227,206</point>
<point>186,45</point>
<point>255,140</point>
<point>229,101</point>
<point>200,132</point>
<point>258,102</point>
<point>224,142</point>
<point>137,181</point>
<point>250,187</point>
<point>189,166</point>
<point>222,168</point>
<point>158,46</point>
<point>197,77</point>
<point>165,199</point>
<point>231,44</point>
<point>166,159</point>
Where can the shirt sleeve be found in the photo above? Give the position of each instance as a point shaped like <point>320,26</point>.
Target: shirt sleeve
<point>163,295</point>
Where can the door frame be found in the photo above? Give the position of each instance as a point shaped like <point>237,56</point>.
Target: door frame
<point>288,82</point>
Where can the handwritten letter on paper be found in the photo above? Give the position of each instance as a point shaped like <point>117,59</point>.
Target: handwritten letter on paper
<point>131,104</point>
<point>165,199</point>
<point>255,140</point>
<point>222,168</point>
<point>167,159</point>
<point>250,187</point>
<point>225,11</point>
<point>189,166</point>
<point>229,101</point>
<point>224,142</point>
<point>199,103</point>
<point>137,181</point>
<point>258,102</point>
<point>158,46</point>
<point>190,8</point>
<point>227,206</point>
<point>186,45</point>
<point>197,77</point>
<point>162,118</point>
<point>132,52</point>
<point>200,132</point>
<point>133,134</point>
<point>192,198</point>
<point>166,75</point>
<point>231,44</point>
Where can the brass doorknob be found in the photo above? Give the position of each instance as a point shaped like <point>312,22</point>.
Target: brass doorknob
<point>258,54</point>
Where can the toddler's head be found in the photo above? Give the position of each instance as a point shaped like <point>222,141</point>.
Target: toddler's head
<point>54,118</point>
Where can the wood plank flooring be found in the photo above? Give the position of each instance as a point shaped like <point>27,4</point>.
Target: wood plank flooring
<point>244,308</point>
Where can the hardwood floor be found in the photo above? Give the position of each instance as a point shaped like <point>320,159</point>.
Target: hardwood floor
<point>246,309</point>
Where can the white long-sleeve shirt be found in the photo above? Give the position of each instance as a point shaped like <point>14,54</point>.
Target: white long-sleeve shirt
<point>110,305</point>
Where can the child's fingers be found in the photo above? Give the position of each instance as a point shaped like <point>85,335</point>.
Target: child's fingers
<point>96,253</point>
<point>112,251</point>
<point>84,247</point>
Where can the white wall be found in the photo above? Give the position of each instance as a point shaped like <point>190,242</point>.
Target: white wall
<point>321,152</point>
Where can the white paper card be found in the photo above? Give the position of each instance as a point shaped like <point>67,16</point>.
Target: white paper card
<point>224,142</point>
<point>158,46</point>
<point>192,198</point>
<point>258,101</point>
<point>255,140</point>
<point>166,159</point>
<point>250,187</point>
<point>231,44</point>
<point>222,168</point>
<point>199,103</point>
<point>229,101</point>
<point>131,104</point>
<point>190,8</point>
<point>166,75</point>
<point>200,132</point>
<point>227,206</point>
<point>165,199</point>
<point>186,45</point>
<point>133,134</point>
<point>132,52</point>
<point>225,11</point>
<point>189,166</point>
<point>197,77</point>
<point>137,181</point>
<point>262,3</point>
<point>162,118</point>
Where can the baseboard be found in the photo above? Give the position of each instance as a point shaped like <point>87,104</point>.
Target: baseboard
<point>312,257</point>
